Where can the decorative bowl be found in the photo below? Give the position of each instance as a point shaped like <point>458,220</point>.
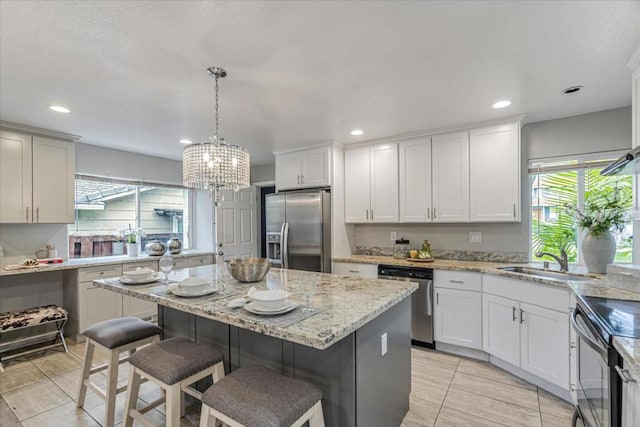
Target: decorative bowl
<point>155,248</point>
<point>174,245</point>
<point>248,270</point>
<point>272,299</point>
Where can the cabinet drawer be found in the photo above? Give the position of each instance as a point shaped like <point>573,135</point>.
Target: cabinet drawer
<point>181,263</point>
<point>103,272</point>
<point>462,280</point>
<point>547,296</point>
<point>356,269</point>
<point>197,261</point>
<point>135,265</point>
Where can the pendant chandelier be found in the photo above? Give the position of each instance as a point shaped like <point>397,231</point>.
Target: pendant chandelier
<point>215,166</point>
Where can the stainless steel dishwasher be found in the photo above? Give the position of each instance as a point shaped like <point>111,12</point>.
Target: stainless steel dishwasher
<point>421,300</point>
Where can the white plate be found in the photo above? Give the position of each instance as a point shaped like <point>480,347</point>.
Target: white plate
<point>129,281</point>
<point>287,308</point>
<point>181,292</point>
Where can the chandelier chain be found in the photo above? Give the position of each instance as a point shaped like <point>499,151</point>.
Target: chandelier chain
<point>217,115</point>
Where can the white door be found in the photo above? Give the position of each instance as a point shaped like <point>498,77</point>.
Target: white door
<point>315,166</point>
<point>288,171</point>
<point>415,180</point>
<point>458,317</point>
<point>53,181</point>
<point>236,223</point>
<point>501,328</point>
<point>544,351</point>
<point>450,174</point>
<point>384,183</point>
<point>357,188</point>
<point>15,178</point>
<point>494,174</point>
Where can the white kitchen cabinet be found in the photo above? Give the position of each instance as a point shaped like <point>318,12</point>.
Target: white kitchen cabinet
<point>303,169</point>
<point>630,397</point>
<point>371,184</point>
<point>501,328</point>
<point>415,180</point>
<point>135,306</point>
<point>369,271</point>
<point>97,305</point>
<point>457,317</point>
<point>36,179</point>
<point>544,343</point>
<point>494,173</point>
<point>450,175</point>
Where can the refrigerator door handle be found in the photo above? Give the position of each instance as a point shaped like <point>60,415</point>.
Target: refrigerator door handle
<point>284,242</point>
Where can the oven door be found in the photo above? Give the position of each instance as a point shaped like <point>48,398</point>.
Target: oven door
<point>594,396</point>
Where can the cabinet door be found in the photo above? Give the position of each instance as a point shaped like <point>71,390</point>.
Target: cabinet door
<point>415,180</point>
<point>97,305</point>
<point>384,183</point>
<point>288,171</point>
<point>369,271</point>
<point>631,401</point>
<point>494,174</point>
<point>53,181</point>
<point>450,174</point>
<point>458,317</point>
<point>357,185</point>
<point>15,178</point>
<point>315,167</point>
<point>501,328</point>
<point>544,344</point>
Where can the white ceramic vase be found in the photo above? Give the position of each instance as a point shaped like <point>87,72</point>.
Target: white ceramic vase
<point>598,251</point>
<point>132,249</point>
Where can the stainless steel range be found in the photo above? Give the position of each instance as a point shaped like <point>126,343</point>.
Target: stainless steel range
<point>600,370</point>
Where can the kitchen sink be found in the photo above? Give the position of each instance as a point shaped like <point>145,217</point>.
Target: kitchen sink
<point>546,274</point>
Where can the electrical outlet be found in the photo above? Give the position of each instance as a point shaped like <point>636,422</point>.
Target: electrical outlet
<point>393,236</point>
<point>383,344</point>
<point>475,237</point>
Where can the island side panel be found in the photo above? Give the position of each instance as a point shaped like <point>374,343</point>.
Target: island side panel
<point>383,383</point>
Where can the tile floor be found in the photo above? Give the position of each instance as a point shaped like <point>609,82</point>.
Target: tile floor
<point>39,391</point>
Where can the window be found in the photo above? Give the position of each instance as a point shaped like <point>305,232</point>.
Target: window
<point>556,184</point>
<point>105,208</point>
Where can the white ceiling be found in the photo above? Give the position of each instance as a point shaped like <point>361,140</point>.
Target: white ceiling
<point>133,73</point>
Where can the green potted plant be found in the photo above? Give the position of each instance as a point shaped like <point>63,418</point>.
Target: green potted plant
<point>131,238</point>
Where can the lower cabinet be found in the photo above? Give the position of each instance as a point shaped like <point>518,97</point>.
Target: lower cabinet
<point>630,399</point>
<point>534,338</point>
<point>134,306</point>
<point>369,271</point>
<point>457,315</point>
<point>97,305</point>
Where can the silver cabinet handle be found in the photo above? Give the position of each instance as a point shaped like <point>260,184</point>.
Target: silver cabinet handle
<point>367,214</point>
<point>371,214</point>
<point>301,179</point>
<point>624,375</point>
<point>27,214</point>
<point>434,212</point>
<point>514,210</point>
<point>428,213</point>
<point>456,281</point>
<point>298,179</point>
<point>521,316</point>
<point>37,214</point>
<point>354,271</point>
<point>514,314</point>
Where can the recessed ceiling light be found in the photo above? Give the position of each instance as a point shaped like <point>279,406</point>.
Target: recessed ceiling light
<point>59,109</point>
<point>501,104</point>
<point>572,89</point>
<point>356,132</point>
<point>185,141</point>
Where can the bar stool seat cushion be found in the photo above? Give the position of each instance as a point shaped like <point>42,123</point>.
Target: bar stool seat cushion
<point>31,316</point>
<point>118,332</point>
<point>175,359</point>
<point>257,396</point>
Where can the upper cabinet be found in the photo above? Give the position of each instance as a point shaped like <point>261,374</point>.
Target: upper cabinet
<point>371,184</point>
<point>303,169</point>
<point>494,174</point>
<point>450,172</point>
<point>36,179</point>
<point>415,180</point>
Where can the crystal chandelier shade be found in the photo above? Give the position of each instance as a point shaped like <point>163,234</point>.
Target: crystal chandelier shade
<point>215,166</point>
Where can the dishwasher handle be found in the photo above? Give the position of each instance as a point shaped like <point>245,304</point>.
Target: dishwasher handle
<point>429,298</point>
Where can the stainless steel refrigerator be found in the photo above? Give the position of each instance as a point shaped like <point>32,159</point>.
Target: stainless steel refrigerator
<point>298,230</point>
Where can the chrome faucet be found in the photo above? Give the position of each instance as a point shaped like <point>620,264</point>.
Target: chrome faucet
<point>563,259</point>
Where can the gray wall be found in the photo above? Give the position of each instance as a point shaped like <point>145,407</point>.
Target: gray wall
<point>263,173</point>
<point>594,132</point>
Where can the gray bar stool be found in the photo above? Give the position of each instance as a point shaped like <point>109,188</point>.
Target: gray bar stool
<point>115,336</point>
<point>173,365</point>
<point>255,396</point>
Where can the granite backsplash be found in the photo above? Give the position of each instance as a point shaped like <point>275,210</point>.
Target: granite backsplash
<point>506,257</point>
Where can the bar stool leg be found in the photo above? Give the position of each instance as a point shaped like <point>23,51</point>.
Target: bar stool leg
<point>132,395</point>
<point>317,417</point>
<point>174,394</point>
<point>112,386</point>
<point>86,371</point>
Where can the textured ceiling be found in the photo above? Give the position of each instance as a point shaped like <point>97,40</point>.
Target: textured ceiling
<point>133,72</point>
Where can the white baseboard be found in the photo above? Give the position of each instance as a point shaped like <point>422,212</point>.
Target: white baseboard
<point>471,353</point>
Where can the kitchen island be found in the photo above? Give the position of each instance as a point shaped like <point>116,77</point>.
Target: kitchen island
<point>356,348</point>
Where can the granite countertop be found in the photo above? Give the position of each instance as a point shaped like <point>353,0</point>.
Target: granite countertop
<point>345,303</point>
<point>99,261</point>
<point>474,266</point>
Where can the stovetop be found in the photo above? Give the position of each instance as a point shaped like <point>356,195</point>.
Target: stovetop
<point>617,317</point>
